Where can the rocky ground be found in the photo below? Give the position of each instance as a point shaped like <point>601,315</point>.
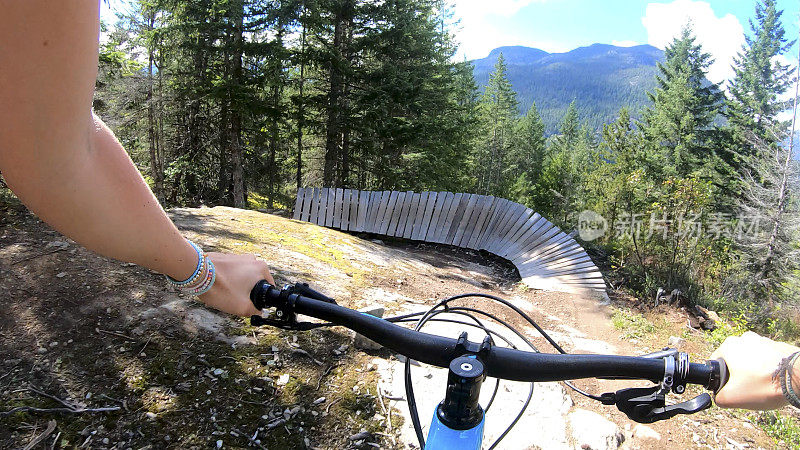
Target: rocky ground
<point>100,354</point>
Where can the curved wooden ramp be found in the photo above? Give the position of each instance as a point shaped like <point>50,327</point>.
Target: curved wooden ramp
<point>546,257</point>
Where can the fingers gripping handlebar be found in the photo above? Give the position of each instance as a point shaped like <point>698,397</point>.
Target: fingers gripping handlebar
<point>669,370</point>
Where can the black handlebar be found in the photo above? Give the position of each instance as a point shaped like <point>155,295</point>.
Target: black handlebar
<point>505,363</point>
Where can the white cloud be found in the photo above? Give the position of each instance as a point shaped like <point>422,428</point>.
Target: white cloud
<point>625,43</point>
<point>722,37</point>
<point>477,36</point>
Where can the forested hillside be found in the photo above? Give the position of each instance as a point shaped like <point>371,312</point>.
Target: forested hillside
<point>240,102</point>
<point>602,78</point>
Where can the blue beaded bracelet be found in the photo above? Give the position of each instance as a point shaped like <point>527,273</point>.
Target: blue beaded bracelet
<point>200,260</point>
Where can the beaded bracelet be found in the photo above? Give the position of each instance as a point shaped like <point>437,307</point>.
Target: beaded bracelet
<point>201,257</point>
<point>786,379</point>
<point>208,282</point>
<point>201,280</point>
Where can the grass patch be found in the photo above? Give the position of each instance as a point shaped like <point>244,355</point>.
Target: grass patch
<point>784,429</point>
<point>631,324</point>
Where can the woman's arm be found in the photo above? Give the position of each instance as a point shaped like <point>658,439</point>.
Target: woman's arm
<point>67,166</point>
<point>754,367</point>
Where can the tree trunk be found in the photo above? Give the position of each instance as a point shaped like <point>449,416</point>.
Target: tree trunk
<point>301,104</point>
<point>155,167</point>
<point>333,133</point>
<point>235,140</point>
<point>273,149</point>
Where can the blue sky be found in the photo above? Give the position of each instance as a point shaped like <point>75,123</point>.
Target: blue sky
<point>562,25</point>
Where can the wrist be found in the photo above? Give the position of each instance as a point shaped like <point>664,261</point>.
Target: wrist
<point>184,264</point>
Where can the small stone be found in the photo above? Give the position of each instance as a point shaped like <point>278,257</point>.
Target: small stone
<point>676,342</point>
<point>644,432</point>
<point>219,444</point>
<point>283,380</point>
<point>88,395</point>
<point>41,350</point>
<point>360,436</point>
<point>54,344</point>
<point>150,415</point>
<point>218,372</point>
<point>61,274</point>
<point>318,401</point>
<point>106,441</point>
<point>591,430</point>
<point>207,392</point>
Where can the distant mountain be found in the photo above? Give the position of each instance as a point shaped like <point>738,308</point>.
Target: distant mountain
<point>602,78</point>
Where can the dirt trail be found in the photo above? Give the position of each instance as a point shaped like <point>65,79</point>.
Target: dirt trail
<point>98,333</point>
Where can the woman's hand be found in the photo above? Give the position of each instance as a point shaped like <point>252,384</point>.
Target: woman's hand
<point>236,276</point>
<point>753,363</point>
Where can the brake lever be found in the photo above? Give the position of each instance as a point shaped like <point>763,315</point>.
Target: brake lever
<point>647,405</point>
<point>259,321</point>
<point>265,295</point>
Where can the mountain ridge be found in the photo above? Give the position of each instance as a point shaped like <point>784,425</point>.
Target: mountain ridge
<point>601,78</point>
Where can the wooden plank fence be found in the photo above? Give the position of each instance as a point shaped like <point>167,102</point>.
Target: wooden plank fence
<point>546,257</point>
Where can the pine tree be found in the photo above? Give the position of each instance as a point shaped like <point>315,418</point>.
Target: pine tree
<point>499,108</point>
<point>758,84</point>
<point>527,152</point>
<point>679,125</point>
<point>563,184</point>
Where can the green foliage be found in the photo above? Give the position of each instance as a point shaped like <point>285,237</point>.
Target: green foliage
<point>780,427</point>
<point>498,108</point>
<point>734,327</point>
<point>759,83</point>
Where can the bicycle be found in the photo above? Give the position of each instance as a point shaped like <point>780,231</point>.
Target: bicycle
<point>458,421</point>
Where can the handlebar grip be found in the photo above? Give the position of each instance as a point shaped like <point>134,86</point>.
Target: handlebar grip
<point>259,294</point>
<point>720,374</point>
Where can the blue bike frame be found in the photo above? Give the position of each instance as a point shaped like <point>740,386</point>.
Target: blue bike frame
<point>441,437</point>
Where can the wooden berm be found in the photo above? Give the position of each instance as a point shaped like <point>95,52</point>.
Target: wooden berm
<point>546,257</point>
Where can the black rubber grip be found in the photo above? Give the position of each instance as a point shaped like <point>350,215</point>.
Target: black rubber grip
<point>721,375</point>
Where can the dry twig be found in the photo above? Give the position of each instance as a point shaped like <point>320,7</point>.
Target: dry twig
<point>68,408</point>
<point>51,426</point>
<point>114,333</point>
